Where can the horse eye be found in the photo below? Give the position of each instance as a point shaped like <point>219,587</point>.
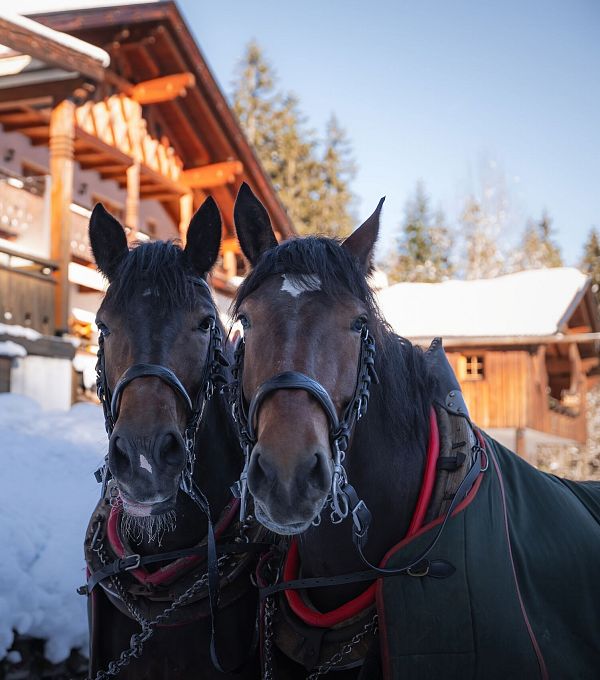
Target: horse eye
<point>244,321</point>
<point>102,329</point>
<point>359,324</point>
<point>207,324</point>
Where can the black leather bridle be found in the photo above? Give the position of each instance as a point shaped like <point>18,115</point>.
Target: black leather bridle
<point>340,429</point>
<point>212,378</point>
<point>343,498</point>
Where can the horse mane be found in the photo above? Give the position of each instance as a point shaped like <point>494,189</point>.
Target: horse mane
<point>406,384</point>
<point>161,265</point>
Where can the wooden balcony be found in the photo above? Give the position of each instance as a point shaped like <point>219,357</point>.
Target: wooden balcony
<point>27,290</point>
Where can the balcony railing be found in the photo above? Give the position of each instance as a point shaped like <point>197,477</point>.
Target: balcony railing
<point>27,290</point>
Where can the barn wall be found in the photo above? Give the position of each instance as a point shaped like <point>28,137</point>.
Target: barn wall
<point>499,398</point>
<point>513,393</point>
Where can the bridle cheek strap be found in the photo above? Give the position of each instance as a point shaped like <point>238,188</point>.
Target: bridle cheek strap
<point>147,371</point>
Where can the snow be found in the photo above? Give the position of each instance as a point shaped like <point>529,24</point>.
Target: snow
<point>19,331</point>
<point>526,303</point>
<point>68,41</point>
<point>47,494</point>
<point>12,349</point>
<point>42,6</point>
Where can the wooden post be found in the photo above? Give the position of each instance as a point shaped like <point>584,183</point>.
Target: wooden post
<point>137,129</point>
<point>132,204</point>
<point>62,136</point>
<point>229,263</point>
<point>186,211</point>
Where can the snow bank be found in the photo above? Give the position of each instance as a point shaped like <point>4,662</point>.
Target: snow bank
<point>8,348</point>
<point>47,493</point>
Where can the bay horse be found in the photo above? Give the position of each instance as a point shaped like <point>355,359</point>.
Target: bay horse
<point>416,546</point>
<point>160,369</point>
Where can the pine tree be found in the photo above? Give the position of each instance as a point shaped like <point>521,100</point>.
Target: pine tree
<point>483,258</point>
<point>538,248</point>
<point>255,100</point>
<point>337,172</point>
<point>315,191</point>
<point>423,246</point>
<point>590,262</point>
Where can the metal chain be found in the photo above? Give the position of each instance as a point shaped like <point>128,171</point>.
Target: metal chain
<point>338,657</point>
<point>269,614</point>
<point>138,640</point>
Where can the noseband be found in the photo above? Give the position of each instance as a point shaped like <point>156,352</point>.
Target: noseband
<point>212,376</point>
<point>340,429</point>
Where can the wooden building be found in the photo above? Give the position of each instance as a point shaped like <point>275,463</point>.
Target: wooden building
<point>114,104</point>
<point>525,348</point>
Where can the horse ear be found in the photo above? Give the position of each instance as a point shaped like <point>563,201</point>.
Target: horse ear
<point>108,241</point>
<point>204,237</point>
<point>361,241</point>
<point>252,225</point>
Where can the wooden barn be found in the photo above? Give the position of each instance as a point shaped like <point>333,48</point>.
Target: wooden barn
<point>525,348</point>
<point>114,104</point>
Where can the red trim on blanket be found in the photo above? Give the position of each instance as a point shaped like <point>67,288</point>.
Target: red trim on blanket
<point>383,642</point>
<point>170,571</point>
<point>366,599</point>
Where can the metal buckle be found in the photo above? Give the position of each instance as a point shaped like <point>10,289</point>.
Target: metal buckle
<point>423,571</point>
<point>360,529</point>
<point>137,561</point>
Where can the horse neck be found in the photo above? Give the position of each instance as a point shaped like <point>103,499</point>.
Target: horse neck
<point>385,464</point>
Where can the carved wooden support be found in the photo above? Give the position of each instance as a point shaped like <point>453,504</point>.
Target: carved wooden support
<point>62,136</point>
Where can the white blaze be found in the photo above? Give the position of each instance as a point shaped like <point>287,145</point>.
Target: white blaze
<point>145,464</point>
<point>296,285</point>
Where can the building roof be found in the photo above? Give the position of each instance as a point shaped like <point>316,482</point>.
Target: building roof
<point>528,303</point>
<point>147,40</point>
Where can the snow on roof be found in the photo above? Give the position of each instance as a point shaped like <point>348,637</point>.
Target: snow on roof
<point>43,6</point>
<point>47,494</point>
<point>530,302</point>
<point>64,39</point>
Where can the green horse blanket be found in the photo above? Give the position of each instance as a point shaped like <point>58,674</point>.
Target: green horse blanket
<point>524,601</point>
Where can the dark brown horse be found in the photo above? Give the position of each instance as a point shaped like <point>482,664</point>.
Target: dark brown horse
<point>403,489</point>
<point>160,371</point>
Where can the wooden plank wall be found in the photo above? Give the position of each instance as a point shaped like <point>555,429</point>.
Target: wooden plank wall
<point>29,298</point>
<point>500,398</point>
<point>513,393</point>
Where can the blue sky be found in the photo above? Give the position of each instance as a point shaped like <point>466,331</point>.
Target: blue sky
<point>437,91</point>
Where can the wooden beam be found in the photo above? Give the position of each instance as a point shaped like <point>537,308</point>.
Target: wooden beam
<point>214,175</point>
<point>62,136</point>
<point>163,89</point>
<point>186,210</point>
<point>48,49</point>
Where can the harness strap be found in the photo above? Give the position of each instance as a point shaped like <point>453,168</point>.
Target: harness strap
<point>418,566</point>
<point>124,564</point>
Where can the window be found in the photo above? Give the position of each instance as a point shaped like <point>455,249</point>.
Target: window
<point>471,367</point>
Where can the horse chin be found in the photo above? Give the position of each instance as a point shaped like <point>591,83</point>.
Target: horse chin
<point>288,529</point>
<point>148,508</point>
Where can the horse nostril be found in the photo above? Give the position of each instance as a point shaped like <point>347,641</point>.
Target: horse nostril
<point>172,450</point>
<point>261,472</point>
<point>118,455</point>
<point>318,471</point>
